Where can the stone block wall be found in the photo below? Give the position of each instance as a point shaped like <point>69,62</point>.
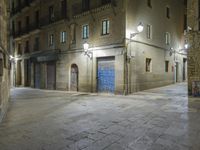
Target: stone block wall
<point>4,59</point>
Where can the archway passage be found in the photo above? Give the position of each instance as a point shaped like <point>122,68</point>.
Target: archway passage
<point>74,78</point>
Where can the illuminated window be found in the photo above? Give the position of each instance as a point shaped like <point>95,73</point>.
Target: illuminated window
<point>105,27</point>
<point>63,37</point>
<point>167,38</point>
<point>85,32</point>
<point>51,40</point>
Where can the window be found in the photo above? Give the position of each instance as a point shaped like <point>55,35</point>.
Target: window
<point>27,23</point>
<point>85,31</point>
<point>166,66</point>
<point>149,3</point>
<point>36,44</point>
<point>13,6</point>
<point>37,15</point>
<point>148,64</point>
<point>85,5</point>
<point>103,2</point>
<point>73,33</point>
<point>5,60</point>
<point>19,51</point>
<point>185,3</point>
<point>13,27</point>
<point>63,36</point>
<point>26,47</point>
<point>167,38</point>
<point>149,31</point>
<point>19,26</point>
<point>51,14</point>
<point>19,3</point>
<point>105,27</point>
<point>64,8</point>
<point>168,12</point>
<point>51,40</point>
<point>185,21</point>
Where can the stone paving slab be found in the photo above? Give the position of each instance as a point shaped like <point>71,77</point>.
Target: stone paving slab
<point>157,119</point>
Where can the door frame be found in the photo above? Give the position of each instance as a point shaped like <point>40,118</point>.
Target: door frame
<point>70,77</point>
<point>54,63</point>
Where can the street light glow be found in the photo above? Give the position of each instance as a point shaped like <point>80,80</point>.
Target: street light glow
<point>86,46</point>
<point>140,27</point>
<point>186,46</point>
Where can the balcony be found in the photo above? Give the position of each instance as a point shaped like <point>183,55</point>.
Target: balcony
<point>47,20</point>
<point>78,11</point>
<point>19,8</point>
<point>26,30</point>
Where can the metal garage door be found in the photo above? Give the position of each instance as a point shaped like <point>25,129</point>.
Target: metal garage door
<point>37,75</point>
<point>51,75</point>
<point>106,75</point>
<point>28,72</point>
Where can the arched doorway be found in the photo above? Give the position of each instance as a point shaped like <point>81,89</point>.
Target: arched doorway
<point>74,78</point>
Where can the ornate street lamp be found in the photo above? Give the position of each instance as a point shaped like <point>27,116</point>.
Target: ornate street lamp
<point>86,50</point>
<point>140,29</point>
<point>186,45</point>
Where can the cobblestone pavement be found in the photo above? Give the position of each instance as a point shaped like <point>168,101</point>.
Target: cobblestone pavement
<point>157,119</point>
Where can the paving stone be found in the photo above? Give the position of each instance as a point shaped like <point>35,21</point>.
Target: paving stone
<point>156,119</point>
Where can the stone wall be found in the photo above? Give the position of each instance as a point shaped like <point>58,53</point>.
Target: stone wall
<point>193,39</point>
<point>4,59</point>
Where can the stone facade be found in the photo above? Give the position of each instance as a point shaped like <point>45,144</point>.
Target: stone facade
<point>4,59</point>
<point>114,62</point>
<point>193,39</point>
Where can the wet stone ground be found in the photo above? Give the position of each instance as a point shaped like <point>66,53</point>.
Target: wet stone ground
<point>158,119</point>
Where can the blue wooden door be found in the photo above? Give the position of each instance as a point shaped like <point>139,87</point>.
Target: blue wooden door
<point>106,75</point>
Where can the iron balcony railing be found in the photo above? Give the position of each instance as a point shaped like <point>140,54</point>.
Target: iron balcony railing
<point>26,30</point>
<point>21,6</point>
<point>43,21</point>
<point>55,17</point>
<point>77,8</point>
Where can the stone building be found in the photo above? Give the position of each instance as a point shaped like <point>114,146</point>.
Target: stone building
<point>49,37</point>
<point>4,58</point>
<point>193,39</point>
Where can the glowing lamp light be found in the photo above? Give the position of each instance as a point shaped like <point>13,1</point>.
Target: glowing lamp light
<point>186,46</point>
<point>86,46</point>
<point>140,27</point>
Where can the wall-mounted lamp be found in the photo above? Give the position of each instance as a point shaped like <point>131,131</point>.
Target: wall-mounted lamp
<point>140,29</point>
<point>186,46</point>
<point>86,50</point>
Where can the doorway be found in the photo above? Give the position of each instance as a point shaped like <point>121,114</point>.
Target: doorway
<point>74,78</point>
<point>184,69</point>
<point>106,75</point>
<point>51,75</point>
